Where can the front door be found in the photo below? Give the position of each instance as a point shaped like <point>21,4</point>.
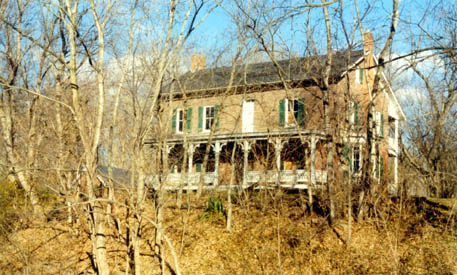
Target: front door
<point>248,116</point>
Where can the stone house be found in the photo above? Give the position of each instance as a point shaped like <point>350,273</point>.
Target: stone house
<point>272,114</point>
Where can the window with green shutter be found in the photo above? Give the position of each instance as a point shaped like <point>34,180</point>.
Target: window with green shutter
<point>189,119</point>
<point>200,118</point>
<point>282,112</point>
<point>356,113</point>
<point>173,120</point>
<point>301,112</point>
<point>353,113</point>
<point>348,156</point>
<point>291,112</point>
<point>216,116</point>
<point>356,158</point>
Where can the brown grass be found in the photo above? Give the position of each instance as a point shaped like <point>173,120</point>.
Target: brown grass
<point>405,242</point>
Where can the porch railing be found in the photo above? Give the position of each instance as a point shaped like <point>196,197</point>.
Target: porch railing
<point>270,176</point>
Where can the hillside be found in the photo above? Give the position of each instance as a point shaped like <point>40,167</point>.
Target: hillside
<point>270,235</point>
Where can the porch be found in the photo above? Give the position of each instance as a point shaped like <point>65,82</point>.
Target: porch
<point>288,159</point>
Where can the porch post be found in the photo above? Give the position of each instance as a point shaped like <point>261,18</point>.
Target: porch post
<point>313,159</point>
<point>168,148</point>
<point>190,158</point>
<point>278,148</point>
<point>246,146</point>
<point>217,151</point>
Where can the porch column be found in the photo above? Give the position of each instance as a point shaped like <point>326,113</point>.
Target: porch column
<point>168,148</point>
<point>246,146</point>
<point>190,159</point>
<point>217,151</point>
<point>313,160</point>
<point>278,149</point>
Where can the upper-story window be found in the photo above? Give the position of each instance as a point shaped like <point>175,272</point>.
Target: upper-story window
<point>359,74</point>
<point>291,112</point>
<point>207,116</point>
<point>379,124</point>
<point>181,119</point>
<point>391,127</point>
<point>353,113</point>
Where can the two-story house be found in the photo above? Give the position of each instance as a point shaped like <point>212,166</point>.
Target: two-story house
<point>272,114</point>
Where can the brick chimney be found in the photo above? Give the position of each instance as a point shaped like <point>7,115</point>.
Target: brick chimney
<point>368,42</point>
<point>197,62</point>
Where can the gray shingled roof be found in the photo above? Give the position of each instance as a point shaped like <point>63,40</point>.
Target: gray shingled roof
<point>297,69</point>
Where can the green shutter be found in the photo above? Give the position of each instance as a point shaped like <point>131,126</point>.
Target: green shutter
<point>378,168</point>
<point>282,112</point>
<point>198,167</point>
<point>189,119</point>
<point>216,116</point>
<point>381,167</point>
<point>301,112</point>
<point>382,125</point>
<point>350,160</point>
<point>356,113</point>
<point>200,118</point>
<point>348,156</point>
<point>360,76</point>
<point>173,121</point>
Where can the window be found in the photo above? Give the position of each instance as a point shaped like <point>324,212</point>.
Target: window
<point>391,127</point>
<point>356,159</point>
<point>353,155</point>
<point>179,116</point>
<point>208,118</point>
<point>207,115</point>
<point>179,120</point>
<point>359,76</point>
<point>353,113</point>
<point>379,124</point>
<point>292,111</point>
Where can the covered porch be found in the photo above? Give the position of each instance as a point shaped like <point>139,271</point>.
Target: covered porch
<point>287,159</point>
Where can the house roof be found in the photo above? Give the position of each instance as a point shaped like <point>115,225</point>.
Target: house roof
<point>294,69</point>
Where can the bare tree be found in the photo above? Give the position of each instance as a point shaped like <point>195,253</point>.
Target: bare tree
<point>430,134</point>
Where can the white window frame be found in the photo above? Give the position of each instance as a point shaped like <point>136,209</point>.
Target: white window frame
<point>351,112</point>
<point>357,172</point>
<point>179,121</point>
<point>204,128</point>
<point>377,122</point>
<point>357,75</point>
<point>392,125</point>
<point>292,101</point>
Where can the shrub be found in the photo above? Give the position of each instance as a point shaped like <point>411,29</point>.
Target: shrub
<point>214,209</point>
<point>12,200</point>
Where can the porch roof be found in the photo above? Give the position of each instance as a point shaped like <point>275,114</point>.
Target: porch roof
<point>288,133</point>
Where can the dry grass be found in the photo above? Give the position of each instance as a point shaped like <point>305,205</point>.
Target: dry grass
<point>263,229</point>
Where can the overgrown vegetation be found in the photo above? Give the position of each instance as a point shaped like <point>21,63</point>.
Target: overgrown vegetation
<point>12,204</point>
<point>402,238</point>
<point>214,210</point>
